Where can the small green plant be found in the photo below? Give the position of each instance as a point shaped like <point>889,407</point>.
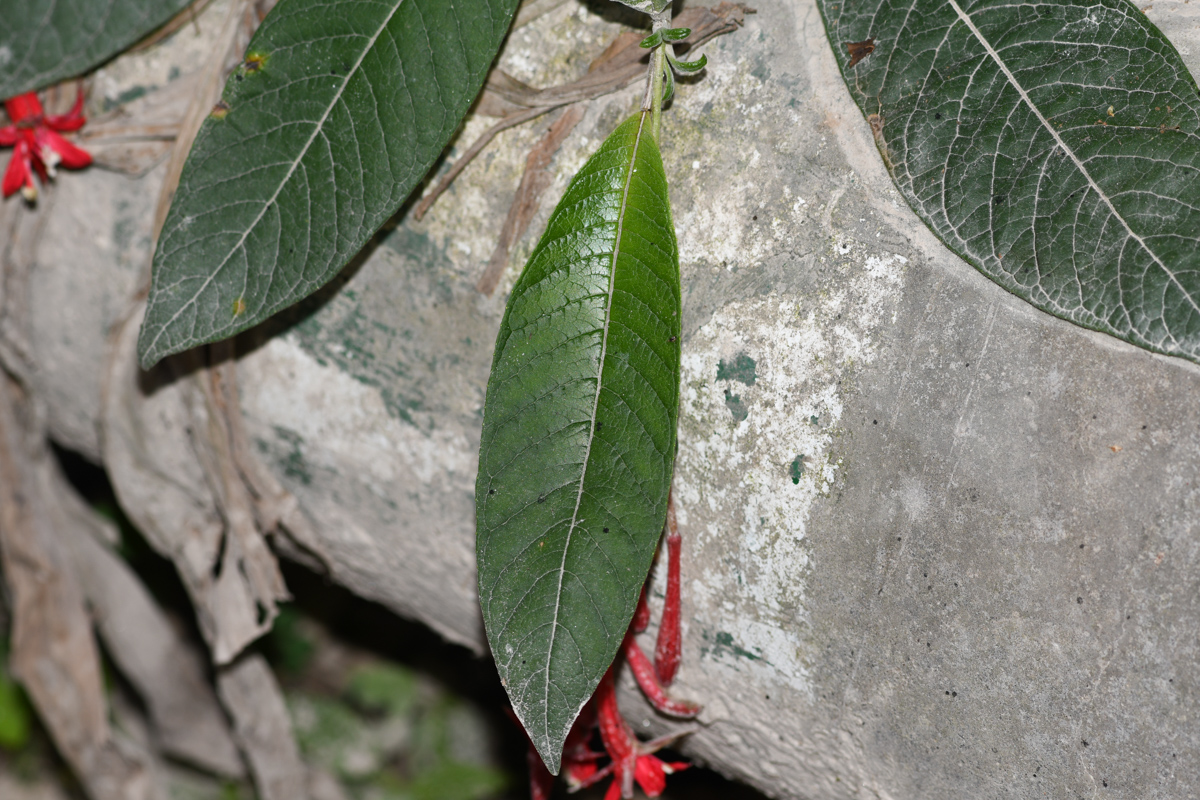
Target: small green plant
<point>15,722</point>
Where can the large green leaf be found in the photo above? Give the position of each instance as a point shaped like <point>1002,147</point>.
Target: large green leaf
<point>1053,145</point>
<point>44,41</point>
<point>339,109</point>
<point>579,435</point>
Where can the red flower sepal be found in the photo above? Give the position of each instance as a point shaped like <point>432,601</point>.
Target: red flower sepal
<point>38,147</point>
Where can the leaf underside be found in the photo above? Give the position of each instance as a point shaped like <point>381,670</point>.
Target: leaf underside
<point>45,41</point>
<point>578,442</point>
<point>1054,146</point>
<point>338,111</point>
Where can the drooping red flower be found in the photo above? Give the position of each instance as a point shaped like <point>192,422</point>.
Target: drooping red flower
<point>632,760</point>
<point>38,147</point>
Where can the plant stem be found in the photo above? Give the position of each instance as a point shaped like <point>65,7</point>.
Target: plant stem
<point>660,20</point>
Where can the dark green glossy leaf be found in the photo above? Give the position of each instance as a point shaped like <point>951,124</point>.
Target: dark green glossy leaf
<point>1055,146</point>
<point>45,41</point>
<point>579,435</point>
<point>336,114</point>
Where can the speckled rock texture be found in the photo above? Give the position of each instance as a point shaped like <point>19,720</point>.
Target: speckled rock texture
<point>937,543</point>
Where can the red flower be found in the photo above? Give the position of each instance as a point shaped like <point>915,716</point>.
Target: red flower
<point>38,147</point>
<point>650,772</point>
<point>631,759</point>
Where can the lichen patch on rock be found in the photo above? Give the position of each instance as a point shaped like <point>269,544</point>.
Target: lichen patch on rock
<point>762,399</point>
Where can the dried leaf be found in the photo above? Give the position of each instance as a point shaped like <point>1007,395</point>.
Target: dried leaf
<point>167,673</point>
<point>168,453</point>
<point>859,50</point>
<point>534,182</point>
<point>53,652</point>
<point>263,728</point>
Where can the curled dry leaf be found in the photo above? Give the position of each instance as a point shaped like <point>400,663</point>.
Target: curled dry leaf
<point>263,728</point>
<point>53,652</point>
<point>167,673</point>
<point>621,63</point>
<point>169,455</point>
<point>534,182</point>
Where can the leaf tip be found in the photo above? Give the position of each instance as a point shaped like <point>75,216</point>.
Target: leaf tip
<point>148,351</point>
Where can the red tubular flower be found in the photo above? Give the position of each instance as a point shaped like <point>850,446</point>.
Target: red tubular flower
<point>651,773</point>
<point>631,760</point>
<point>37,144</point>
<point>670,638</point>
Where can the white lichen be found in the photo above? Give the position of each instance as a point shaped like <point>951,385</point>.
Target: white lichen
<point>745,487</point>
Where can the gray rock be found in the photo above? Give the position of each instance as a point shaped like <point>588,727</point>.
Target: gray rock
<point>938,544</point>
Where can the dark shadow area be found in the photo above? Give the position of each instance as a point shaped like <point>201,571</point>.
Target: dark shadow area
<point>620,14</point>
<point>372,627</point>
<point>156,572</point>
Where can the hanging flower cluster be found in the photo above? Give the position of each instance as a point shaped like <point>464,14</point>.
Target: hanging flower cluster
<point>629,760</point>
<point>38,146</point>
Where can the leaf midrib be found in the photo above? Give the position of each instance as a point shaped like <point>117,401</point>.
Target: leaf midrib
<point>1012,79</point>
<point>612,281</point>
<point>286,178</point>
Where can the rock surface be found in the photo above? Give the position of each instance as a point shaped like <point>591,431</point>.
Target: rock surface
<point>937,543</point>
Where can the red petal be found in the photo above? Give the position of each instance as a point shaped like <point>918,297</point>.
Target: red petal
<point>615,732</point>
<point>541,782</point>
<point>73,120</point>
<point>614,790</point>
<point>18,173</point>
<point>641,617</point>
<point>72,157</point>
<point>647,680</point>
<point>23,107</point>
<point>9,136</point>
<point>670,640</point>
<point>650,776</point>
<point>581,773</point>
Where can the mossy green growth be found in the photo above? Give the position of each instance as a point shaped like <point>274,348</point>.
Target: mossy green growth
<point>742,368</point>
<point>453,780</point>
<point>392,734</point>
<point>288,648</point>
<point>15,722</point>
<point>383,688</point>
<point>797,469</point>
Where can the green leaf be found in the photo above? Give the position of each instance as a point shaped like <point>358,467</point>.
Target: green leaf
<point>44,42</point>
<point>653,40</point>
<point>1055,146</point>
<point>688,67</point>
<point>676,34</point>
<point>336,114</point>
<point>578,441</point>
